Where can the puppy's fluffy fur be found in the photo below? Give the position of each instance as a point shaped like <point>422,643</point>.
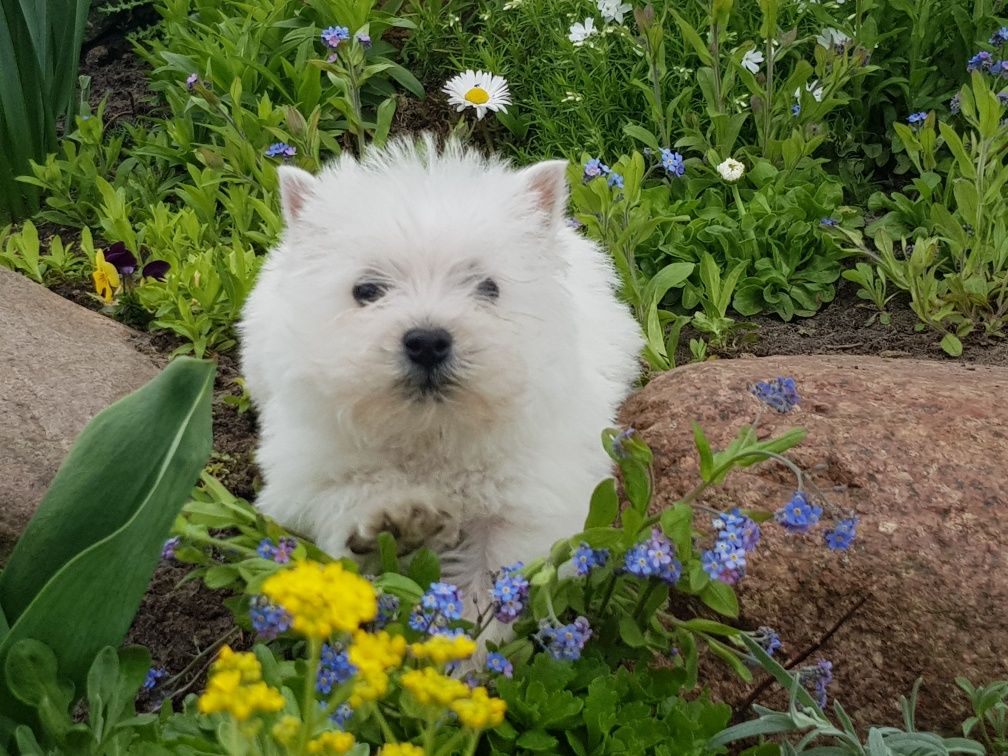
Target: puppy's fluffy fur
<point>493,458</point>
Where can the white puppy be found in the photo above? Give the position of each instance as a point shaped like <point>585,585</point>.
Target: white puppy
<point>434,352</point>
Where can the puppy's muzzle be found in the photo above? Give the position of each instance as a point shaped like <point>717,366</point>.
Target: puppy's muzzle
<point>428,353</point>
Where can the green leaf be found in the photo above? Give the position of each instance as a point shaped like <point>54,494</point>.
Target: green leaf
<point>721,598</point>
<point>951,344</point>
<point>97,535</point>
<point>604,505</point>
<point>30,672</point>
<point>387,552</point>
<point>537,740</point>
<point>630,633</point>
<point>399,585</point>
<point>641,134</point>
<point>704,450</point>
<point>425,567</point>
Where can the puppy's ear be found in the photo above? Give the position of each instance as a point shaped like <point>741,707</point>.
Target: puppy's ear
<point>296,186</point>
<point>547,181</point>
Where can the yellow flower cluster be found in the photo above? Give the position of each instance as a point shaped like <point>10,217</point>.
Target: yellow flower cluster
<point>236,686</point>
<point>401,749</point>
<point>331,743</point>
<point>431,687</point>
<point>479,710</point>
<point>322,599</point>
<point>373,654</point>
<point>286,730</point>
<point>441,649</point>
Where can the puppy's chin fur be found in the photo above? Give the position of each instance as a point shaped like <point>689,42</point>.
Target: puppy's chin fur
<point>505,450</point>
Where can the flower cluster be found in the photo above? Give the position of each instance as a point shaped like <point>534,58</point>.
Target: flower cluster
<point>982,61</point>
<point>473,706</point>
<point>817,679</point>
<point>499,664</point>
<point>769,639</point>
<point>672,162</point>
<point>401,749</point>
<point>565,642</point>
<point>373,655</point>
<point>798,515</point>
<point>595,168</point>
<point>1000,37</point>
<point>280,149</point>
<point>654,557</point>
<point>235,686</point>
<point>438,607</point>
<point>737,535</point>
<point>334,669</point>
<point>842,534</point>
<point>281,553</point>
<point>322,599</point>
<point>509,593</point>
<point>154,675</point>
<point>780,394</point>
<point>333,36</point>
<point>168,549</point>
<point>586,558</point>
<point>331,742</point>
<point>916,120</point>
<point>268,619</point>
<point>442,649</point>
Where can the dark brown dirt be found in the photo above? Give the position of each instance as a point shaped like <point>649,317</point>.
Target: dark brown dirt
<point>847,326</point>
<point>116,73</point>
<point>182,624</point>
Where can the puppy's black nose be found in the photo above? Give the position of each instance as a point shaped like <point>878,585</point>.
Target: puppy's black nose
<point>427,347</point>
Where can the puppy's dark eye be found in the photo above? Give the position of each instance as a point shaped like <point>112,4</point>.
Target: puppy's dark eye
<point>488,289</point>
<point>367,292</point>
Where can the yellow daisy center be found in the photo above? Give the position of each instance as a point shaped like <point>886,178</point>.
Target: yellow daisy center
<point>477,96</point>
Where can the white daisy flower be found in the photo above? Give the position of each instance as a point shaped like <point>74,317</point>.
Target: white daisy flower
<point>613,10</point>
<point>478,89</point>
<point>731,170</point>
<point>814,88</point>
<point>580,32</point>
<point>830,38</point>
<point>752,60</point>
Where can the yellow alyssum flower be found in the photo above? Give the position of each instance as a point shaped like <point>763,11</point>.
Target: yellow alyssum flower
<point>370,684</point>
<point>401,749</point>
<point>236,687</point>
<point>331,742</point>
<point>286,730</point>
<point>441,650</point>
<point>106,277</point>
<point>322,599</point>
<point>376,650</point>
<point>479,711</point>
<point>431,687</point>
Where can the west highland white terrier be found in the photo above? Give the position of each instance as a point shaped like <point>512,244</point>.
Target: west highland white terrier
<point>434,352</point>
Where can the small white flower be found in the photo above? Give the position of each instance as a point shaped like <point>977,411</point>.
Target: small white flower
<point>752,60</point>
<point>613,10</point>
<point>830,38</point>
<point>814,88</point>
<point>512,4</point>
<point>731,170</point>
<point>572,97</point>
<point>579,32</point>
<point>478,89</point>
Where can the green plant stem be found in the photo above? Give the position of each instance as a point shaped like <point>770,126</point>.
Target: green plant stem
<point>383,724</point>
<point>308,708</point>
<point>608,593</point>
<point>738,200</point>
<point>642,600</point>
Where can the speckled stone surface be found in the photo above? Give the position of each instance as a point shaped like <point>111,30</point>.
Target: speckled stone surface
<point>60,364</point>
<point>919,451</point>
